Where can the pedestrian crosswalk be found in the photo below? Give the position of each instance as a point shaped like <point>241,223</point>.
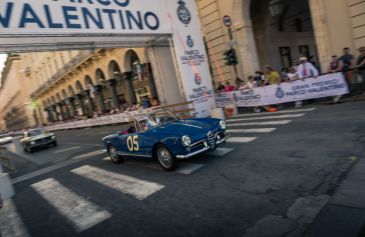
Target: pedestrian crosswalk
<point>259,124</point>
<point>83,213</point>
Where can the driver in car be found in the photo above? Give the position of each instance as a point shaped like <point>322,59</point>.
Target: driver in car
<point>132,127</point>
<point>144,125</point>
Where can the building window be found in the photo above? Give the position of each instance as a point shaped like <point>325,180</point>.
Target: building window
<point>299,25</point>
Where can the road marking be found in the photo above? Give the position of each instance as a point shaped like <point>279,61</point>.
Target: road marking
<point>84,134</point>
<point>268,117</point>
<point>11,224</point>
<point>80,212</point>
<point>93,153</point>
<point>51,168</point>
<point>241,139</point>
<point>281,122</point>
<point>138,188</point>
<point>252,130</point>
<point>279,112</point>
<point>188,168</point>
<point>101,133</point>
<point>220,152</point>
<point>81,144</point>
<point>67,149</point>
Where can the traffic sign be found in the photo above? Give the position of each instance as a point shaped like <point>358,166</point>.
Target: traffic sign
<point>227,21</point>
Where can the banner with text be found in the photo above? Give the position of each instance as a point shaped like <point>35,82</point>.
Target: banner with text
<point>311,88</point>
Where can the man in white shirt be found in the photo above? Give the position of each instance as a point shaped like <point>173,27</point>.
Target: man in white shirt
<point>306,69</point>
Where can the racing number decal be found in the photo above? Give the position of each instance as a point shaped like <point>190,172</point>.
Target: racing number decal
<point>132,143</point>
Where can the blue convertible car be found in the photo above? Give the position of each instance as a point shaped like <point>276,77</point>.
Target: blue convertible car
<point>166,137</point>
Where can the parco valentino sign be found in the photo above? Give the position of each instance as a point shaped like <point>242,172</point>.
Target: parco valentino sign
<point>83,16</point>
<point>39,24</point>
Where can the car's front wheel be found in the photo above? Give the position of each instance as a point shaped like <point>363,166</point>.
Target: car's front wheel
<point>165,158</point>
<point>28,149</point>
<point>113,154</point>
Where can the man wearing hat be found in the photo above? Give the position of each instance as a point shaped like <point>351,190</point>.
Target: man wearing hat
<point>306,69</point>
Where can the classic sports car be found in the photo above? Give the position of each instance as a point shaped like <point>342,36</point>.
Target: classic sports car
<point>38,138</point>
<point>166,137</point>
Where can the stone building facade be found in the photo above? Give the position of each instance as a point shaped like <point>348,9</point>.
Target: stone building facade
<point>87,83</point>
<point>16,108</point>
<point>274,32</point>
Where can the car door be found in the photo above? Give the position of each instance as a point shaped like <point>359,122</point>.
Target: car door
<point>132,144</point>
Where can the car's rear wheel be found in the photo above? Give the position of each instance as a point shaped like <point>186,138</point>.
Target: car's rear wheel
<point>165,158</point>
<point>28,149</point>
<point>113,153</point>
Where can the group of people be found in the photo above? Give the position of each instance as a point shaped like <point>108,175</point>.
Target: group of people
<point>146,102</point>
<point>302,69</point>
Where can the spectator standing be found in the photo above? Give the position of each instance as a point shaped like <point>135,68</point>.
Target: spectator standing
<point>347,61</point>
<point>293,76</point>
<point>360,66</point>
<point>259,78</point>
<point>272,77</point>
<point>239,82</point>
<point>306,69</point>
<point>229,87</point>
<point>336,65</point>
<point>220,87</point>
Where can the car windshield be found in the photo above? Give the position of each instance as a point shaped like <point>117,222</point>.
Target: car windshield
<point>164,117</point>
<point>34,133</point>
<point>147,122</point>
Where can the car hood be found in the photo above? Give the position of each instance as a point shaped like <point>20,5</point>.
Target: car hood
<point>39,137</point>
<point>191,128</point>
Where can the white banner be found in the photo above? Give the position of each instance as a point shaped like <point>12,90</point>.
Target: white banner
<point>191,55</point>
<point>311,88</point>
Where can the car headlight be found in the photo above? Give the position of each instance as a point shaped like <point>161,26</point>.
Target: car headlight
<point>186,140</point>
<point>32,143</point>
<point>53,137</point>
<point>223,124</point>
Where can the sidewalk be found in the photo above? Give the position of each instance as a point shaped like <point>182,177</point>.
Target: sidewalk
<point>344,214</point>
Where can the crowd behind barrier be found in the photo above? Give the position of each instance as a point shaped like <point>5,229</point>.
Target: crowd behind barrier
<point>352,68</point>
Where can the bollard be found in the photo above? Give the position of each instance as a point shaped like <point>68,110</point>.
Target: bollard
<point>217,113</point>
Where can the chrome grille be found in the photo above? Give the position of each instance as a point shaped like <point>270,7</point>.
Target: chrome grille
<point>211,138</point>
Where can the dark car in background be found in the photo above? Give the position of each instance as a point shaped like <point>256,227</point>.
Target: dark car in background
<point>38,138</point>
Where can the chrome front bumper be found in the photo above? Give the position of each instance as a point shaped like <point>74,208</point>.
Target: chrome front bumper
<point>204,149</point>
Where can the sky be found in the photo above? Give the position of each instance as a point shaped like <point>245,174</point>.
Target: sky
<point>2,61</point>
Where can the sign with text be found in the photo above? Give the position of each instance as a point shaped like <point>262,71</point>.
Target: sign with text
<point>82,17</point>
<point>40,25</point>
<point>311,88</point>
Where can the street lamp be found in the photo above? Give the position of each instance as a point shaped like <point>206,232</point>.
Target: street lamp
<point>276,8</point>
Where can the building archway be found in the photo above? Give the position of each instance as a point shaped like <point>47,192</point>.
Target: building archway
<point>283,32</point>
<point>101,89</point>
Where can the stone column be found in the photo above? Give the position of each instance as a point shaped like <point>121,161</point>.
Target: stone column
<point>54,112</point>
<point>49,114</point>
<point>100,94</point>
<point>130,87</point>
<point>60,106</point>
<point>80,98</point>
<point>67,108</point>
<point>151,81</point>
<point>71,103</point>
<point>90,104</point>
<point>115,101</point>
<point>321,32</point>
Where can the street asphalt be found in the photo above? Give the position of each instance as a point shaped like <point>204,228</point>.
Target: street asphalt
<point>271,179</point>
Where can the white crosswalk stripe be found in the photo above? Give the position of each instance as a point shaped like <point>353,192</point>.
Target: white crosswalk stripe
<point>241,139</point>
<point>137,188</point>
<point>81,213</point>
<point>267,117</point>
<point>252,130</point>
<point>280,122</point>
<point>11,224</point>
<point>273,113</point>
